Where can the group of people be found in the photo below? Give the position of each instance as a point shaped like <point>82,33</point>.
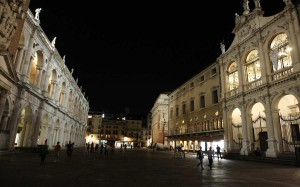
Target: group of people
<point>44,151</point>
<point>210,155</point>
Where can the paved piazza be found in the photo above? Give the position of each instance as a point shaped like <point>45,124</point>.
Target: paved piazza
<point>139,168</point>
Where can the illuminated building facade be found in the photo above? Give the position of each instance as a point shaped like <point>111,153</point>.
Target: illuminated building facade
<point>159,115</point>
<point>195,113</point>
<point>40,100</point>
<point>260,82</point>
<point>113,131</point>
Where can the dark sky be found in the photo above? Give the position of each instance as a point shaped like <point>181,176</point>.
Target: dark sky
<point>126,54</point>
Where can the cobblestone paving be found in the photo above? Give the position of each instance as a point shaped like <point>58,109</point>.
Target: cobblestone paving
<point>139,168</point>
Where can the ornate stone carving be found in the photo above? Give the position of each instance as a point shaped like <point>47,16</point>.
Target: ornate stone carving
<point>272,95</point>
<point>284,26</point>
<point>295,90</point>
<point>10,11</point>
<point>247,29</point>
<point>262,98</point>
<point>255,43</point>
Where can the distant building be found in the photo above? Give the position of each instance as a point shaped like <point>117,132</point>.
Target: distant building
<point>114,131</point>
<point>159,115</point>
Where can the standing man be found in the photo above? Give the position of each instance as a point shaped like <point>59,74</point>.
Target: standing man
<point>210,157</point>
<point>218,152</point>
<point>200,156</point>
<point>57,150</point>
<point>70,149</point>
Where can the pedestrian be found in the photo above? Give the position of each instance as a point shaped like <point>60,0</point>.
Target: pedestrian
<point>101,149</point>
<point>210,157</point>
<point>182,150</point>
<point>43,153</point>
<point>200,156</point>
<point>69,149</point>
<point>219,152</point>
<point>57,149</point>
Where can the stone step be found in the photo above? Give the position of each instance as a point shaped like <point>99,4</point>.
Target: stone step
<point>282,159</point>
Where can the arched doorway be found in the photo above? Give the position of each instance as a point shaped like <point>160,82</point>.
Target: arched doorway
<point>289,116</point>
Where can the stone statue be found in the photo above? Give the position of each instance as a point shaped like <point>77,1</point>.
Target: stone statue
<point>64,58</point>
<point>76,80</point>
<point>257,4</point>
<point>246,7</point>
<point>287,2</point>
<point>72,70</point>
<point>237,18</point>
<point>222,46</point>
<point>37,13</point>
<point>53,42</point>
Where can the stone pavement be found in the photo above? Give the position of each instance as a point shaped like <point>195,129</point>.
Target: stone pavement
<point>139,168</point>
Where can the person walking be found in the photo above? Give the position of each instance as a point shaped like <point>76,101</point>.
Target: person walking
<point>69,149</point>
<point>210,157</point>
<point>200,156</point>
<point>219,152</point>
<point>43,153</point>
<point>57,150</point>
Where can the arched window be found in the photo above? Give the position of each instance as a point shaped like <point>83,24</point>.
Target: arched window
<point>233,77</point>
<point>280,52</point>
<point>253,71</point>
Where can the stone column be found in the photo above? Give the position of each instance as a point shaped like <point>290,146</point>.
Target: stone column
<point>4,122</point>
<point>51,90</point>
<point>293,41</point>
<point>28,55</point>
<point>225,126</point>
<point>3,97</point>
<point>277,128</point>
<point>250,133</point>
<point>272,150</point>
<point>245,140</point>
<point>13,122</point>
<point>39,78</point>
<point>262,60</point>
<point>27,72</point>
<point>54,90</point>
<point>37,125</point>
<point>37,75</point>
<point>19,58</point>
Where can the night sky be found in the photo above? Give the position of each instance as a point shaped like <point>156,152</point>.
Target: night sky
<point>125,54</point>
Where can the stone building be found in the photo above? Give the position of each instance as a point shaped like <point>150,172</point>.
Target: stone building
<point>114,131</point>
<point>249,98</point>
<point>195,113</point>
<point>159,115</point>
<point>261,83</point>
<point>40,100</point>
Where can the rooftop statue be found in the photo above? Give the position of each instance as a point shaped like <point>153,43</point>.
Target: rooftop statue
<point>37,13</point>
<point>53,42</point>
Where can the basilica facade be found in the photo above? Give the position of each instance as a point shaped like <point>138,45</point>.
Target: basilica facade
<point>249,98</point>
<point>261,83</point>
<point>40,101</point>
